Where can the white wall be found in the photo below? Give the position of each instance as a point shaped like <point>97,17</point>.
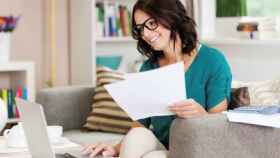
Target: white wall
<point>226,27</point>
<point>250,60</point>
<point>82,42</point>
<point>30,40</point>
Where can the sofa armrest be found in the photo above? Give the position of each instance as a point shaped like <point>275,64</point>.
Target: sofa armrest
<point>66,106</point>
<point>214,136</point>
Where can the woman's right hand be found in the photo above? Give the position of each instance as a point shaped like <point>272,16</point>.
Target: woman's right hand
<point>99,149</point>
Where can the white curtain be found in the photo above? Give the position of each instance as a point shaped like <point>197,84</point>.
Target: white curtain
<point>204,14</point>
<point>190,7</point>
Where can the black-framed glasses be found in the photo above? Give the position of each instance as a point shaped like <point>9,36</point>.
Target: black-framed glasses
<point>150,23</point>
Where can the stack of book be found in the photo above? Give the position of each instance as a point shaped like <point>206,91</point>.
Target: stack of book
<point>113,20</point>
<point>8,96</point>
<point>258,115</point>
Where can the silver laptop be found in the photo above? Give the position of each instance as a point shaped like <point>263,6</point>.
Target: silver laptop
<point>35,129</point>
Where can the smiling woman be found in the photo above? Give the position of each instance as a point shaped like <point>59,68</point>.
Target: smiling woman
<point>166,35</point>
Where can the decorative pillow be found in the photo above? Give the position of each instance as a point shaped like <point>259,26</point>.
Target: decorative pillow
<point>106,115</point>
<point>262,93</point>
<point>239,97</point>
<point>265,93</point>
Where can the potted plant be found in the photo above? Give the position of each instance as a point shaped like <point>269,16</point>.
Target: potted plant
<point>7,25</point>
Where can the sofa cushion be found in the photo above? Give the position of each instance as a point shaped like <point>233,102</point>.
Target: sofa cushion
<point>106,115</point>
<point>262,92</point>
<point>265,93</point>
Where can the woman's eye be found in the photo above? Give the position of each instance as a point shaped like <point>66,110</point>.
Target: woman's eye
<point>152,23</point>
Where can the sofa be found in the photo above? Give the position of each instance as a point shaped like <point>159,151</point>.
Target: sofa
<point>208,136</point>
<point>69,108</point>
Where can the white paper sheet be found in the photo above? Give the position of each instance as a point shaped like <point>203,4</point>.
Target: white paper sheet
<point>149,93</point>
<point>256,119</point>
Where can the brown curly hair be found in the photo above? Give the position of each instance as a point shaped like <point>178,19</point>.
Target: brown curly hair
<point>172,15</point>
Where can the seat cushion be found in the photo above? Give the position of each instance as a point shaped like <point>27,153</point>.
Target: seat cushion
<point>92,137</point>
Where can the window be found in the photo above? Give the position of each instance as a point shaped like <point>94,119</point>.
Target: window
<point>263,7</point>
<point>253,8</point>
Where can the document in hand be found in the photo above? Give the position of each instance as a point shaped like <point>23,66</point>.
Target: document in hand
<point>149,93</point>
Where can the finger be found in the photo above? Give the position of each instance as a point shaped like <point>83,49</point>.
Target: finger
<point>187,114</point>
<point>183,108</point>
<point>88,149</point>
<point>181,103</point>
<point>97,150</point>
<point>187,102</point>
<point>84,147</point>
<point>107,153</point>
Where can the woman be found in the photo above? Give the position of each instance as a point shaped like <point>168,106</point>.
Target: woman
<point>166,35</point>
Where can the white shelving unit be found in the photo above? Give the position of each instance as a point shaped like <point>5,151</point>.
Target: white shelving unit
<point>85,45</point>
<point>242,42</point>
<point>115,40</point>
<point>16,74</point>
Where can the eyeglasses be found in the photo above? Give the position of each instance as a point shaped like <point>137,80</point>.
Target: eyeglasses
<point>151,24</point>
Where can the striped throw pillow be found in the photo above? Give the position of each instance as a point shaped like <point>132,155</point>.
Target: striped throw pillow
<point>106,115</point>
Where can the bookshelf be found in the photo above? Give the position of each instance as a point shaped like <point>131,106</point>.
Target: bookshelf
<point>18,74</point>
<point>114,39</point>
<point>86,42</point>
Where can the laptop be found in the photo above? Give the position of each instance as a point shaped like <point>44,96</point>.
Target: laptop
<point>35,129</point>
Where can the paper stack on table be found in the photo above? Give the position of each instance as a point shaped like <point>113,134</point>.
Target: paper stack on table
<point>258,115</point>
<point>149,93</point>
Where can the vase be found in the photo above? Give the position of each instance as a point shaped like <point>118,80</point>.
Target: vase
<point>5,44</point>
<point>3,114</point>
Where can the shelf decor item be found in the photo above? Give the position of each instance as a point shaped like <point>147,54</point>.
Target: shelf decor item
<point>7,26</point>
<point>3,115</point>
<point>248,30</point>
<point>111,61</point>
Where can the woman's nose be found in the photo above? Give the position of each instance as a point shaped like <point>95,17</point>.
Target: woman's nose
<point>146,33</point>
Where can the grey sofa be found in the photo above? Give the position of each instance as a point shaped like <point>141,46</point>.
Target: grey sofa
<point>68,107</point>
<point>209,136</point>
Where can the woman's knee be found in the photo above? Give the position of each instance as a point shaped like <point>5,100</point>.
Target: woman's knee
<point>139,132</point>
<point>138,142</point>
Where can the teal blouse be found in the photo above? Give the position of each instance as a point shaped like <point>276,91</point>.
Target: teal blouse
<point>208,82</point>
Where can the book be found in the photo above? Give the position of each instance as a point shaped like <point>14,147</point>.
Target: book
<point>100,20</point>
<point>25,93</point>
<point>5,97</point>
<point>19,92</point>
<point>10,104</point>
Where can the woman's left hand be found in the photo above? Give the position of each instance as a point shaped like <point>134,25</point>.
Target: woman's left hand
<point>188,108</point>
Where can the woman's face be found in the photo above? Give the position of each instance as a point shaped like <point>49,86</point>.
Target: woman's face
<point>152,32</point>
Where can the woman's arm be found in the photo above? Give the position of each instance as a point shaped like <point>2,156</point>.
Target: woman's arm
<point>190,108</point>
<point>222,106</point>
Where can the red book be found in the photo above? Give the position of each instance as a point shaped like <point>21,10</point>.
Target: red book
<point>19,95</point>
<point>122,19</point>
